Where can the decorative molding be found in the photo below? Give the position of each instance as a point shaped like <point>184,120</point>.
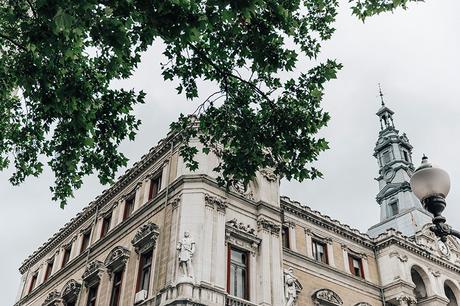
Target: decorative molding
<point>116,259</point>
<point>245,192</point>
<point>363,304</point>
<point>269,226</point>
<point>326,296</point>
<point>53,299</point>
<point>70,291</point>
<point>435,273</point>
<point>145,237</point>
<point>175,202</point>
<point>269,175</point>
<point>402,258</point>
<point>407,299</point>
<point>215,202</point>
<point>92,274</point>
<point>244,236</point>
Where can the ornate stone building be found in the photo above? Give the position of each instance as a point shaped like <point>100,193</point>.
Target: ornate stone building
<point>162,235</point>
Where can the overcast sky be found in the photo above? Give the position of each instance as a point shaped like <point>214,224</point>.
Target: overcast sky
<point>414,54</point>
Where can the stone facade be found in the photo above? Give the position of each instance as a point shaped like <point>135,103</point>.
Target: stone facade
<point>205,245</point>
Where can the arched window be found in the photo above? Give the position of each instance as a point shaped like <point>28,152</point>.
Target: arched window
<point>449,292</point>
<point>420,288</point>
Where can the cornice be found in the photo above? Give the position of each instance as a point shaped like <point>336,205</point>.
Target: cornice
<point>107,195</point>
<point>324,221</point>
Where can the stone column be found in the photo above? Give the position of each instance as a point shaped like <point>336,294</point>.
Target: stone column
<point>172,260</point>
<point>277,272</point>
<point>207,257</point>
<point>292,236</point>
<point>73,248</point>
<point>220,254</point>
<point>138,196</point>
<point>56,262</point>
<point>264,291</point>
<point>366,267</point>
<point>345,258</point>
<point>309,243</point>
<point>330,252</point>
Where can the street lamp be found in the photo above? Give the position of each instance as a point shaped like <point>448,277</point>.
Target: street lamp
<point>431,185</point>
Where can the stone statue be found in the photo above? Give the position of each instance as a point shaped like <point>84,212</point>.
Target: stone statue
<point>186,249</point>
<point>291,287</point>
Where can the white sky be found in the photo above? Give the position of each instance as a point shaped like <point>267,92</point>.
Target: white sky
<point>413,53</point>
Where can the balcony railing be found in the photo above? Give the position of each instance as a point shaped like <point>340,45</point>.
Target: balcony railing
<point>234,301</point>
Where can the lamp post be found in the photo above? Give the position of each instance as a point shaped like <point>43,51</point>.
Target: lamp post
<point>431,185</point>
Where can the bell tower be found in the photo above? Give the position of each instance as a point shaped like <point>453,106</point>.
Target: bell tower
<point>399,208</point>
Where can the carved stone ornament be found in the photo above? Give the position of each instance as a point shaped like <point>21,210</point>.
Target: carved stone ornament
<point>215,202</point>
<point>402,258</point>
<point>245,192</point>
<point>52,299</point>
<point>363,304</point>
<point>326,296</point>
<point>242,235</point>
<point>92,274</point>
<point>269,175</point>
<point>70,291</point>
<point>410,300</point>
<point>267,225</point>
<point>117,258</point>
<point>146,237</point>
<point>292,287</point>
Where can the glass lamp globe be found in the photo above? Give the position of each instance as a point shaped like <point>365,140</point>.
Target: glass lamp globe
<point>428,181</point>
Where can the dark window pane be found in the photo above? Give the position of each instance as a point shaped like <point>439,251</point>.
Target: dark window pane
<point>285,236</point>
<point>49,269</point>
<point>66,257</point>
<point>155,185</point>
<point>116,288</point>
<point>106,225</point>
<point>85,241</point>
<point>129,207</point>
<point>92,295</point>
<point>238,278</point>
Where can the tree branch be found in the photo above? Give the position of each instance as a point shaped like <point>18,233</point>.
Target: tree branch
<point>12,41</point>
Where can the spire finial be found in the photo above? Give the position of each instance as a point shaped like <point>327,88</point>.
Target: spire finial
<point>381,95</point>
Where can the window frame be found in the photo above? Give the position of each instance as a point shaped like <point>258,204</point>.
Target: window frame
<point>33,282</point>
<point>285,237</point>
<point>247,294</point>
<point>129,206</point>
<point>66,256</point>
<point>153,193</point>
<point>116,288</point>
<point>352,257</point>
<point>106,225</point>
<point>141,270</point>
<point>49,269</point>
<point>90,299</point>
<point>85,241</point>
<point>314,244</point>
<point>391,206</point>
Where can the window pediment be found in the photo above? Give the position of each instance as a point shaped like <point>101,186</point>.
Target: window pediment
<point>146,237</point>
<point>326,297</point>
<point>52,299</point>
<point>91,275</point>
<point>116,259</point>
<point>243,235</point>
<point>71,290</point>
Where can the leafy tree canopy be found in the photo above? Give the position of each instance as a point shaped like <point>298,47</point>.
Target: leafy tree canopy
<point>58,58</point>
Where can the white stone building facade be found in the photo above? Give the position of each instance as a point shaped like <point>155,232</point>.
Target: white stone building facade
<point>162,235</point>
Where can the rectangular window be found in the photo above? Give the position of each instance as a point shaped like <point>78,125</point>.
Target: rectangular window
<point>129,207</point>
<point>356,266</point>
<point>66,257</point>
<point>145,269</point>
<point>49,269</point>
<point>106,224</point>
<point>33,282</point>
<point>285,236</point>
<point>320,251</point>
<point>406,156</point>
<point>155,185</point>
<point>394,209</point>
<point>116,288</point>
<point>238,273</point>
<point>386,157</point>
<point>85,241</point>
<point>92,295</point>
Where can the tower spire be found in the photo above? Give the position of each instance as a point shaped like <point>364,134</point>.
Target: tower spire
<point>381,95</point>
